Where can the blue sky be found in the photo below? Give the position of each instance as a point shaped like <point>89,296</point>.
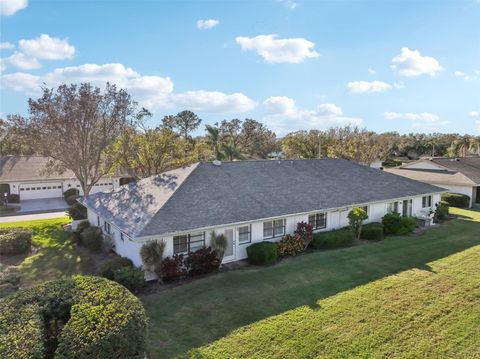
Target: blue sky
<point>406,66</point>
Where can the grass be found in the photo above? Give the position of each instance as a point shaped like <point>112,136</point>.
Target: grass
<point>56,256</point>
<point>402,297</point>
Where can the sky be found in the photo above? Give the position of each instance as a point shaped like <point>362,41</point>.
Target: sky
<point>405,66</point>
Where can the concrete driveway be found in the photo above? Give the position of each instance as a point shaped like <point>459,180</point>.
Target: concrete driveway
<point>42,205</point>
<point>31,217</point>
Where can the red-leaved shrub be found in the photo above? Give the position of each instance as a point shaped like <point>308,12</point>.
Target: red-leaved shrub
<point>291,245</point>
<point>305,231</point>
<point>173,268</point>
<point>203,261</point>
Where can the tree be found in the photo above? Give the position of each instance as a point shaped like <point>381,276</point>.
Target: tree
<point>355,219</point>
<point>256,140</point>
<point>231,152</point>
<point>303,144</point>
<point>214,140</point>
<point>13,140</point>
<point>230,132</point>
<point>75,124</point>
<point>183,123</point>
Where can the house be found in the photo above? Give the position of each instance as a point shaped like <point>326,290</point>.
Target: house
<point>248,202</point>
<point>27,177</point>
<point>458,175</point>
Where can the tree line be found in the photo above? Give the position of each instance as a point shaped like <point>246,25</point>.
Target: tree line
<point>94,132</point>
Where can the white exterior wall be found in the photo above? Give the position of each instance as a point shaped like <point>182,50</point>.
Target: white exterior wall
<point>467,190</point>
<point>336,219</point>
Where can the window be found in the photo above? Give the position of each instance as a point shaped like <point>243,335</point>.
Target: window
<point>365,208</point>
<point>188,243</point>
<point>426,201</point>
<point>49,187</point>
<point>274,228</point>
<point>106,227</point>
<point>407,208</point>
<point>22,189</point>
<point>392,207</point>
<point>318,220</point>
<point>244,234</point>
<point>44,187</point>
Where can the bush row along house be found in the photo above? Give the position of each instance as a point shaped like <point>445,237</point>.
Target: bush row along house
<point>458,175</point>
<point>27,177</point>
<point>249,202</point>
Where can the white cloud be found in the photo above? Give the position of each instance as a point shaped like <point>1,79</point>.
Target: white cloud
<point>207,24</point>
<point>154,92</point>
<point>290,4</point>
<point>21,61</point>
<point>274,50</point>
<point>467,77</point>
<point>6,45</point>
<point>474,114</point>
<point>360,87</point>
<point>47,48</point>
<point>371,72</point>
<point>10,7</point>
<point>283,116</point>
<point>426,120</point>
<point>411,63</point>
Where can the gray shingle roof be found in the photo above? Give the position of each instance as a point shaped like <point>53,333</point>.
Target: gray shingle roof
<point>241,191</point>
<point>468,166</point>
<point>28,168</point>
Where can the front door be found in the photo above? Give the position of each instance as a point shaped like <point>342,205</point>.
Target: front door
<point>230,250</point>
<point>407,208</point>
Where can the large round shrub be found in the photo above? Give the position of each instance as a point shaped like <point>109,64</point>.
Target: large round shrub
<point>15,241</point>
<point>456,200</point>
<point>263,253</point>
<point>333,239</point>
<point>393,223</point>
<point>78,318</point>
<point>372,231</point>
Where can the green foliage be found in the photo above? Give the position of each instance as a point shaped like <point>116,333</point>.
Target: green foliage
<point>108,268</point>
<point>389,162</point>
<point>332,239</point>
<point>82,317</point>
<point>152,255</point>
<point>130,277</point>
<point>9,280</point>
<point>13,198</point>
<point>77,211</point>
<point>15,241</point>
<point>291,245</point>
<point>92,238</point>
<point>71,200</point>
<point>456,200</point>
<point>219,244</point>
<point>71,192</point>
<point>263,253</point>
<point>355,219</point>
<point>394,223</point>
<point>441,212</point>
<point>373,231</point>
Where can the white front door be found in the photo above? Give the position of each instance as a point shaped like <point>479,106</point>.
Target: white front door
<point>230,250</point>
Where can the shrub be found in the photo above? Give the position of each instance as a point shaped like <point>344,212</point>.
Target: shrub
<point>305,231</point>
<point>152,255</point>
<point>393,223</point>
<point>71,200</point>
<point>13,198</point>
<point>456,200</point>
<point>355,219</point>
<point>112,264</point>
<point>291,245</point>
<point>130,277</point>
<point>15,241</point>
<point>81,317</point>
<point>373,231</point>
<point>219,244</point>
<point>333,239</point>
<point>77,211</point>
<point>71,192</point>
<point>263,253</point>
<point>441,212</point>
<point>92,238</point>
<point>173,268</point>
<point>9,281</point>
<point>202,261</point>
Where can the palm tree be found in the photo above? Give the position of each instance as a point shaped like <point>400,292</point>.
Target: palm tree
<point>231,152</point>
<point>214,140</point>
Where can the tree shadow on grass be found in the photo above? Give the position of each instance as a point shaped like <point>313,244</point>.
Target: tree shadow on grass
<point>200,312</point>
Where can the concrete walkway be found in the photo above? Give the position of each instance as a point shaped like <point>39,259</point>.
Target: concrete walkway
<point>31,217</point>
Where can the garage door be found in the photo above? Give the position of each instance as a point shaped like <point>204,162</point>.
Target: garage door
<point>40,190</point>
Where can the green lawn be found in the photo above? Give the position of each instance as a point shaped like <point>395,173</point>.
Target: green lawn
<point>56,257</point>
<point>402,297</point>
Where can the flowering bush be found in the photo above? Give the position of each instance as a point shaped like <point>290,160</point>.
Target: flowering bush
<point>203,261</point>
<point>305,231</point>
<point>291,245</point>
<point>173,268</point>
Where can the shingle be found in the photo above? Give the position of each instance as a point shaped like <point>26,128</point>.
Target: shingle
<point>250,190</point>
<point>28,168</point>
<point>468,166</point>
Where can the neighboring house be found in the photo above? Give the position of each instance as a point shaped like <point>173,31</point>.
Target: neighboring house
<point>249,202</point>
<point>458,175</point>
<point>27,177</point>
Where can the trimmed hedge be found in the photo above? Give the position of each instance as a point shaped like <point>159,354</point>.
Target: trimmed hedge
<point>91,237</point>
<point>456,200</point>
<point>15,241</point>
<point>394,223</point>
<point>130,277</point>
<point>82,317</point>
<point>108,268</point>
<point>332,239</point>
<point>263,253</point>
<point>13,198</point>
<point>372,231</point>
